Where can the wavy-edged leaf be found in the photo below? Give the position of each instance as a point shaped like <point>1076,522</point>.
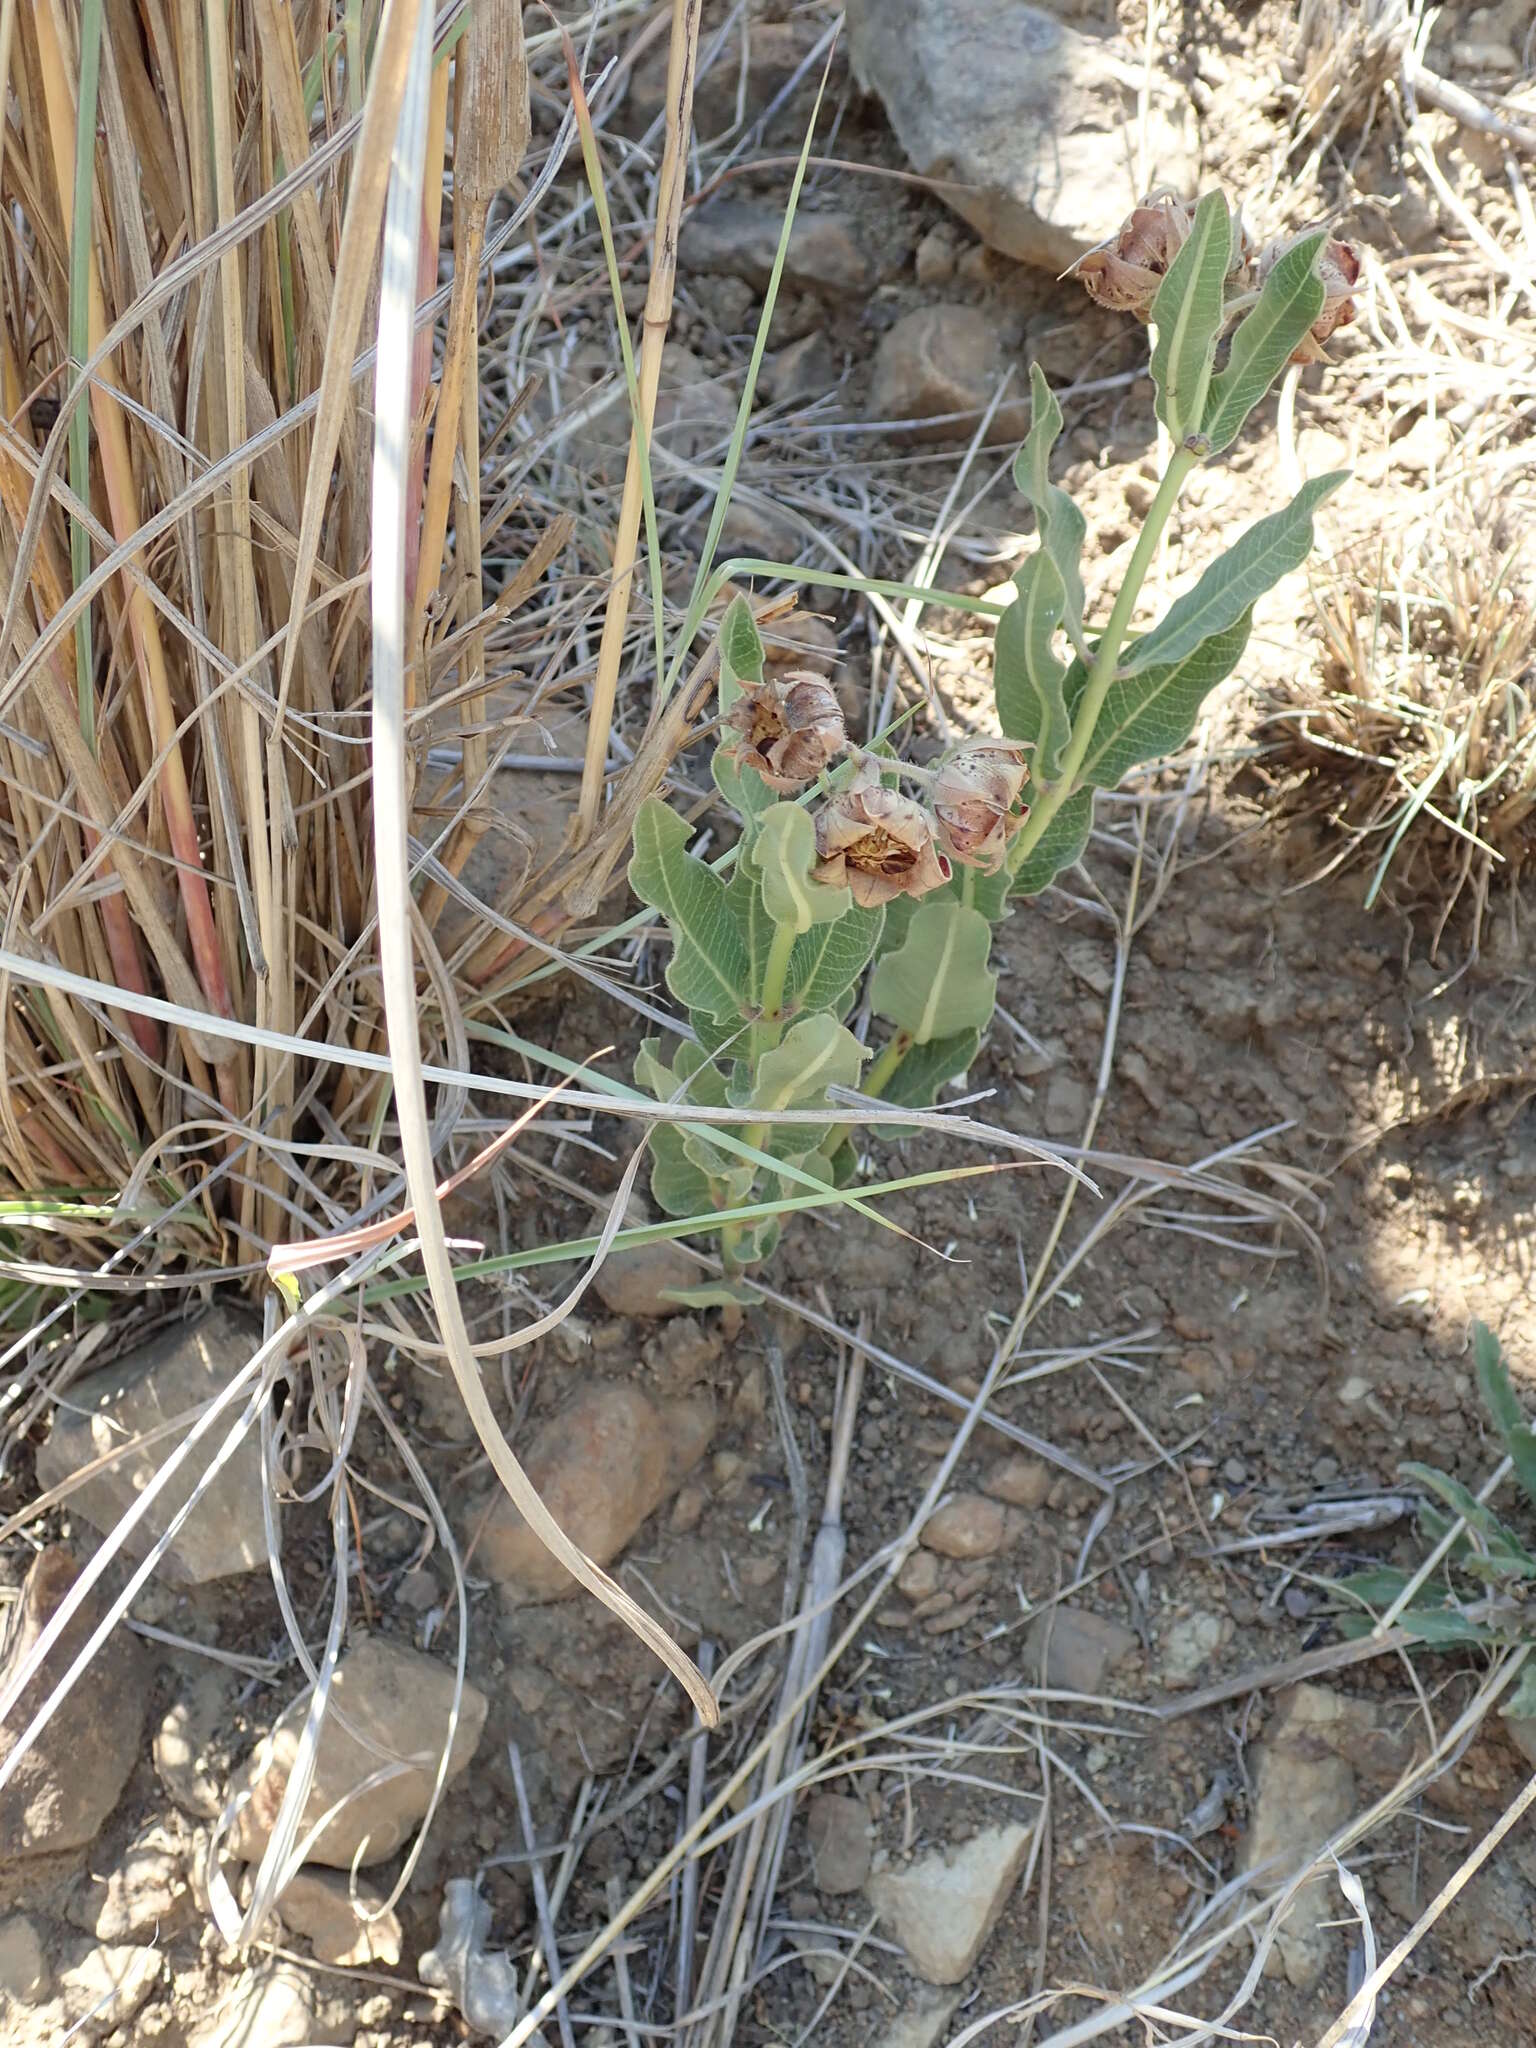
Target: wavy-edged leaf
<point>828,960</point>
<point>937,982</point>
<point>1026,675</point>
<point>743,788</point>
<point>679,1187</point>
<point>717,1037</point>
<point>709,969</point>
<point>813,1055</point>
<point>1062,526</point>
<point>1187,315</point>
<point>1253,564</point>
<point>783,851</point>
<point>1291,299</point>
<point>1504,1406</point>
<point>1521,1703</point>
<point>741,651</point>
<point>1059,845</point>
<point>986,893</point>
<point>1153,712</point>
<point>926,1068</point>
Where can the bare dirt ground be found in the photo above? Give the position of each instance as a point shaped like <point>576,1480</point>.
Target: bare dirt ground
<point>1221,1377</point>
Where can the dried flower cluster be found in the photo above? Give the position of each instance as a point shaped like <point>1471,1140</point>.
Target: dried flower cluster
<point>1125,272</point>
<point>873,841</point>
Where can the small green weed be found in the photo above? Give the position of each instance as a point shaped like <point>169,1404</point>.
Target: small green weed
<point>853,863</point>
<point>1484,1592</point>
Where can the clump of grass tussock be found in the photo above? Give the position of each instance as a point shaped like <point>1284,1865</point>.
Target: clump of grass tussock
<point>185,656</point>
<point>1413,733</point>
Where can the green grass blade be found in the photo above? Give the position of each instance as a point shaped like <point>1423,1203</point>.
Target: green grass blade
<point>700,598</point>
<point>818,1196</point>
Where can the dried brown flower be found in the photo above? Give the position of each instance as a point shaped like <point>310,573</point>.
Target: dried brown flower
<point>974,794</point>
<point>877,843</point>
<point>1124,273</point>
<point>788,730</point>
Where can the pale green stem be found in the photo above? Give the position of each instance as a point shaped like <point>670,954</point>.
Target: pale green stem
<point>776,973</point>
<point>1107,655</point>
<point>875,1083</point>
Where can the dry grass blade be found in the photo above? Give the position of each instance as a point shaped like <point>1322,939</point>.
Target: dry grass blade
<point>392,433</point>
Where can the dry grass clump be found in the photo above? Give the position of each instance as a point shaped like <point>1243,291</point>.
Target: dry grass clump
<point>185,659</point>
<point>1415,732</point>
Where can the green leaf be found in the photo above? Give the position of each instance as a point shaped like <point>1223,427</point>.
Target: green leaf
<point>715,1036</point>
<point>1062,526</point>
<point>678,1185</point>
<point>741,651</point>
<point>812,1056</point>
<point>988,893</point>
<point>937,982</point>
<point>783,851</point>
<point>1504,1406</point>
<point>1026,676</point>
<point>1254,563</point>
<point>828,959</point>
<point>713,1294</point>
<point>1152,712</point>
<point>1502,1546</point>
<point>1059,845</point>
<point>744,898</point>
<point>1188,314</point>
<point>743,788</point>
<point>1521,1704</point>
<point>917,1081</point>
<point>709,969</point>
<point>1290,301</point>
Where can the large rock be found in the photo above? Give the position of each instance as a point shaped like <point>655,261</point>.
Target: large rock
<point>970,1526</point>
<point>73,1775</point>
<point>1071,1649</point>
<point>320,1907</point>
<point>1306,1792</point>
<point>604,1463</point>
<point>935,373</point>
<point>399,1701</point>
<point>942,1908</point>
<point>143,1900</point>
<point>24,1971</point>
<point>271,2006</point>
<point>1036,126</point>
<point>174,1374</point>
<point>826,252</point>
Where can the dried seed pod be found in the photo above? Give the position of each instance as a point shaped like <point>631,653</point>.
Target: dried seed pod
<point>788,730</point>
<point>1124,273</point>
<point>1339,269</point>
<point>877,843</point>
<point>974,794</point>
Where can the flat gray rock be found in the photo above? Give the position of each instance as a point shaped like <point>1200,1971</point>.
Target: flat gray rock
<point>1037,125</point>
<point>942,1908</point>
<point>175,1374</point>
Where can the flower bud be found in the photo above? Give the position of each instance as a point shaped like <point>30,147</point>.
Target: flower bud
<point>876,843</point>
<point>788,730</point>
<point>974,793</point>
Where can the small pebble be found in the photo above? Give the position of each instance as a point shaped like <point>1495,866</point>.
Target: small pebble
<point>1235,1471</point>
<point>1325,1471</point>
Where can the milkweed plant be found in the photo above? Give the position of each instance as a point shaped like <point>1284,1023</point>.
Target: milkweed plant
<point>856,868</point>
